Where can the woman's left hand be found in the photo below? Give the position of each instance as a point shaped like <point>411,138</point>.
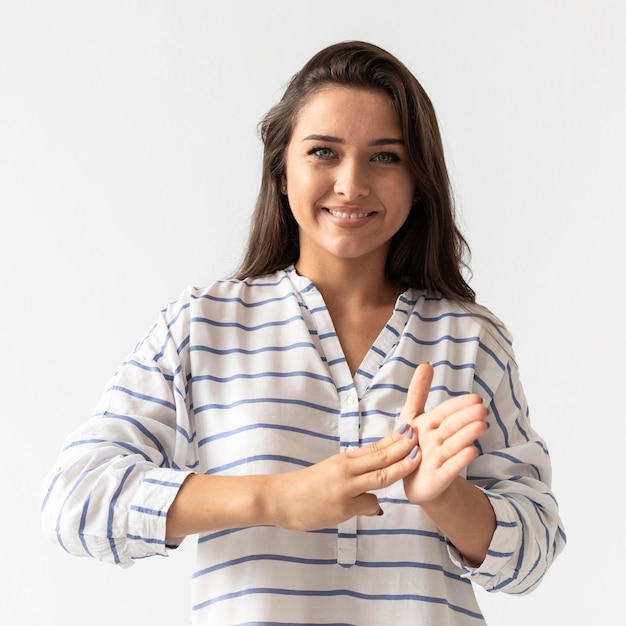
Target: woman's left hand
<point>446,436</point>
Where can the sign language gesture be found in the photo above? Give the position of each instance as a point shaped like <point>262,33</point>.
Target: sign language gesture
<point>339,487</point>
<point>446,436</point>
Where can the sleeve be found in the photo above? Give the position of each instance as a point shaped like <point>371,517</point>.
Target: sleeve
<point>117,474</point>
<point>514,470</point>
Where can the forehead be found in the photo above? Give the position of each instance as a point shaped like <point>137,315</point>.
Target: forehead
<point>338,111</point>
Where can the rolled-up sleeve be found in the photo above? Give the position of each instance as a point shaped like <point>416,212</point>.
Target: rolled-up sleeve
<point>514,470</point>
<point>118,473</point>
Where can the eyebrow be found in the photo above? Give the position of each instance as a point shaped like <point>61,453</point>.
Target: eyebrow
<point>384,141</point>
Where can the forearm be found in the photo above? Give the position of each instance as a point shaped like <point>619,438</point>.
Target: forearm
<point>464,514</point>
<point>206,503</point>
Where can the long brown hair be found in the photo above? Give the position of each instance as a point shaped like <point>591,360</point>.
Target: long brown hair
<point>428,252</point>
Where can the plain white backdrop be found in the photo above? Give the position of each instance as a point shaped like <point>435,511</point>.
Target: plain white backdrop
<point>129,165</point>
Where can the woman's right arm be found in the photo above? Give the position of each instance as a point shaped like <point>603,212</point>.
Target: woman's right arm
<point>126,485</point>
<point>316,497</point>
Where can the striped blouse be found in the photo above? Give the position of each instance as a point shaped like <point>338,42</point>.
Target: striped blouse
<point>248,377</point>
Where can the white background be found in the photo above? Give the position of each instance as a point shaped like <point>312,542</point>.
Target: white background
<point>129,164</point>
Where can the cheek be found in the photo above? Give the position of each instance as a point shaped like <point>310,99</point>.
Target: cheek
<point>307,186</point>
<point>400,194</point>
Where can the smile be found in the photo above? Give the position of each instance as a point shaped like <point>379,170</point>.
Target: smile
<point>350,216</point>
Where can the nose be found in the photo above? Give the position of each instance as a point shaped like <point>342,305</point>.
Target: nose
<point>351,180</point>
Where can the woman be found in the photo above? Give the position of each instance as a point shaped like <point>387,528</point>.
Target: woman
<point>341,424</point>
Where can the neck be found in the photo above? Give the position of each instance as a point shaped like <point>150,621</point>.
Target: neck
<point>351,282</point>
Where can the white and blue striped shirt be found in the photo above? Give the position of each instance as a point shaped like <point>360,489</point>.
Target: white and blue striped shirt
<point>248,377</point>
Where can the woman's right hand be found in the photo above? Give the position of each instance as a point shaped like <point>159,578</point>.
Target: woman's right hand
<point>339,487</point>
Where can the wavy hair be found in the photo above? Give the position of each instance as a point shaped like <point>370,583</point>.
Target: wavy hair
<point>428,251</point>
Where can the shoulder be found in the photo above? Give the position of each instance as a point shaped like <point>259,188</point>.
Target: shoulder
<point>229,294</point>
<point>461,320</point>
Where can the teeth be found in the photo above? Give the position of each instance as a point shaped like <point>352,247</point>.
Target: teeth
<point>350,216</point>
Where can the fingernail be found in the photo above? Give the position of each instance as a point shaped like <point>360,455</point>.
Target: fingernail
<point>380,511</point>
<point>403,428</point>
<point>413,452</point>
<point>409,435</point>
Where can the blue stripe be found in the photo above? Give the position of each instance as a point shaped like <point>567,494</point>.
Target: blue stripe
<point>294,429</point>
<point>296,373</point>
<point>512,390</point>
<point>501,424</point>
<point>434,342</point>
<point>472,315</point>
<point>515,460</point>
<point>337,361</point>
<point>436,567</point>
<point>401,359</point>
<point>401,531</point>
<point>310,405</point>
<point>262,557</point>
<point>325,562</point>
<point>111,515</point>
<point>162,483</point>
<point>259,457</point>
<point>147,540</point>
<point>392,330</point>
<point>321,593</point>
<point>141,428</point>
<point>454,366</point>
<point>291,624</point>
<point>83,519</point>
<point>293,346</point>
<point>389,386</point>
<point>142,396</point>
<point>147,368</point>
<point>382,413</point>
<point>146,511</point>
<point>448,391</point>
<point>120,444</point>
<point>255,282</point>
<point>492,354</point>
<point>210,322</point>
<point>242,302</point>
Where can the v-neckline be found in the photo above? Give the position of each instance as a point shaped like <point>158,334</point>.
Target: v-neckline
<point>330,345</point>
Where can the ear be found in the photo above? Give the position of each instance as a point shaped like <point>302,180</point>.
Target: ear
<point>283,184</point>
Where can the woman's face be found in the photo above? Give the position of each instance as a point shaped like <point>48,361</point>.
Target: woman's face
<point>347,176</point>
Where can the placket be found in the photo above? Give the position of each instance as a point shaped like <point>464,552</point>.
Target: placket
<point>348,440</point>
<point>350,390</point>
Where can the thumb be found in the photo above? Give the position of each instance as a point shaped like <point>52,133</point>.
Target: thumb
<point>367,504</point>
<point>418,389</point>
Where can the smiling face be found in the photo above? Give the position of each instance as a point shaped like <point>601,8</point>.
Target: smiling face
<point>347,177</point>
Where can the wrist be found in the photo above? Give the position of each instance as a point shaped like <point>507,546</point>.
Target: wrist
<point>445,499</point>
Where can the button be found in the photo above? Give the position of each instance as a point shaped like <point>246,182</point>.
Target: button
<point>351,400</point>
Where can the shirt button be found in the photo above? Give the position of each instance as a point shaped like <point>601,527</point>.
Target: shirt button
<point>351,400</point>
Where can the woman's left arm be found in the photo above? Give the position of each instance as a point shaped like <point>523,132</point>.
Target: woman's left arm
<point>501,520</point>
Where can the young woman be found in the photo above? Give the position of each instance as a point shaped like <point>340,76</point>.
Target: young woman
<point>341,424</point>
